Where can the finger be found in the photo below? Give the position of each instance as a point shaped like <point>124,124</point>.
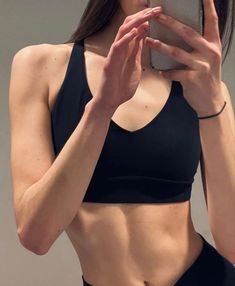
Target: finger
<point>119,49</point>
<point>137,21</point>
<point>211,29</point>
<point>134,51</point>
<point>127,38</point>
<point>177,75</point>
<point>187,33</point>
<point>138,45</point>
<point>129,18</point>
<point>173,52</point>
<point>134,56</point>
<point>139,54</point>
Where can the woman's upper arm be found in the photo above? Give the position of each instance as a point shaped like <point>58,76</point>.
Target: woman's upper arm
<point>31,150</point>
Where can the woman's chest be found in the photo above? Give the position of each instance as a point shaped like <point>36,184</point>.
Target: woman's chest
<point>150,98</point>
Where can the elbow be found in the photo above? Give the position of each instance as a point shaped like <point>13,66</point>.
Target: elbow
<point>34,241</point>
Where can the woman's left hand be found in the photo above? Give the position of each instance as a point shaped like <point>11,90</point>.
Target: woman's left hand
<point>201,80</point>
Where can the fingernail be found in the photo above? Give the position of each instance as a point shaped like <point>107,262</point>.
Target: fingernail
<point>148,13</point>
<point>156,9</point>
<point>146,28</point>
<point>148,40</point>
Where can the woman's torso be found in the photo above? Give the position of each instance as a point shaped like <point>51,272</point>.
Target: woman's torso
<point>127,244</point>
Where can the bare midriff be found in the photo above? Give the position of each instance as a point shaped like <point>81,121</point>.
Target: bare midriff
<point>134,244</point>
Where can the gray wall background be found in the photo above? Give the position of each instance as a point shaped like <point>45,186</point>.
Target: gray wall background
<point>29,22</point>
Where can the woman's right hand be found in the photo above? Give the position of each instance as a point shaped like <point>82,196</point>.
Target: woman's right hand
<point>122,68</point>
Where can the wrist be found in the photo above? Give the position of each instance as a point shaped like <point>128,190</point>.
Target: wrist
<point>213,108</point>
<point>99,109</point>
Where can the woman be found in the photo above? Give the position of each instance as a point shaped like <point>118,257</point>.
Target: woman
<point>119,183</point>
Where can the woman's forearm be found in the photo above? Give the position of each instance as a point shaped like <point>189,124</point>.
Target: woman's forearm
<point>49,206</point>
<point>218,146</point>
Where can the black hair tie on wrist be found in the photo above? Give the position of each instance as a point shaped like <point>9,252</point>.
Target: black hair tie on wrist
<point>213,115</point>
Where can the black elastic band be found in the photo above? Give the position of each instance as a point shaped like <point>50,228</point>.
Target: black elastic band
<point>213,115</point>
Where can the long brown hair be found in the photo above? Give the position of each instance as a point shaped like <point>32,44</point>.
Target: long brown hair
<point>99,13</point>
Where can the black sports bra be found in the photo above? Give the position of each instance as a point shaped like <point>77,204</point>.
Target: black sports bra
<point>155,163</point>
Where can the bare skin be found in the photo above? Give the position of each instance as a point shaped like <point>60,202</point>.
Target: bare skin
<point>130,244</point>
<point>117,244</point>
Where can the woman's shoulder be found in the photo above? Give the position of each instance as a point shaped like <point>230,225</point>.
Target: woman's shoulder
<point>38,55</point>
<point>35,67</point>
<point>43,63</point>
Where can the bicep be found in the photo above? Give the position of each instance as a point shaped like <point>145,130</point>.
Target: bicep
<point>31,151</point>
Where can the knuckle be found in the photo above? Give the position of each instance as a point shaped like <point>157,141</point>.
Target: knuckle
<point>188,31</point>
<point>214,18</point>
<point>122,28</point>
<point>215,53</point>
<point>170,20</point>
<point>106,67</point>
<point>175,52</point>
<point>205,67</point>
<point>116,47</point>
<point>190,76</point>
<point>127,19</point>
<point>220,46</point>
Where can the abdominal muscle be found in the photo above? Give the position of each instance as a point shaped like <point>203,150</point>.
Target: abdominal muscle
<point>134,244</point>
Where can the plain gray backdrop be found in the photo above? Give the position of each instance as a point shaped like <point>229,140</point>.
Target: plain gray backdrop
<point>31,22</point>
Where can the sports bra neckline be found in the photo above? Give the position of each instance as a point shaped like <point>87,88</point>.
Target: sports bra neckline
<point>157,117</point>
